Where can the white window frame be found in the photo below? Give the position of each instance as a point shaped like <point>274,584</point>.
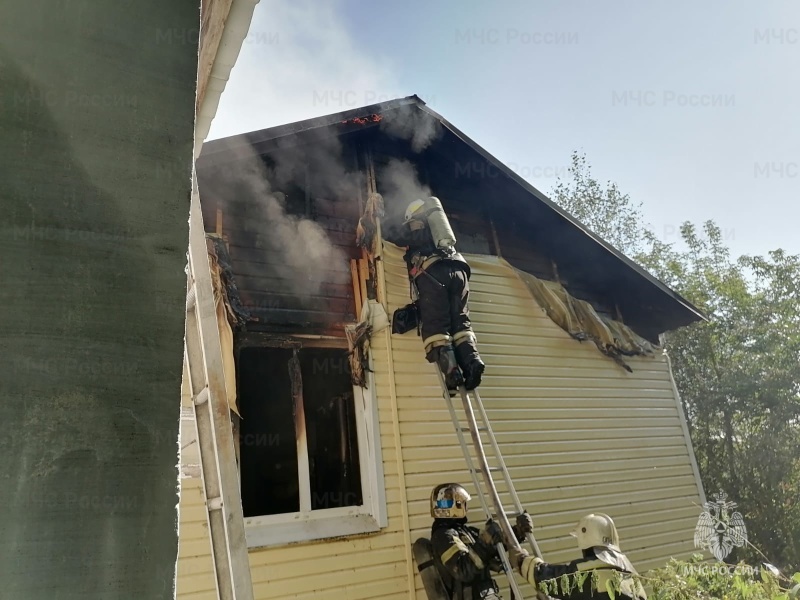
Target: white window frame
<point>307,525</point>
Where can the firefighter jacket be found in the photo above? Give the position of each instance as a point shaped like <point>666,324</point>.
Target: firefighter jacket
<point>463,560</point>
<point>602,561</point>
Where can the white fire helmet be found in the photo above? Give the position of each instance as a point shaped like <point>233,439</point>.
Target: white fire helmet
<point>449,501</point>
<point>597,529</point>
<point>413,207</point>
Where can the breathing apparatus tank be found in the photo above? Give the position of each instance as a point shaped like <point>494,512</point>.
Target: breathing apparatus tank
<point>438,223</point>
<point>431,578</point>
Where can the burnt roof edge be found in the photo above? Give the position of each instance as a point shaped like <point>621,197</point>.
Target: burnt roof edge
<point>226,144</point>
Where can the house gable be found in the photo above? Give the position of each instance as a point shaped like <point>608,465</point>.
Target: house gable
<point>492,209</point>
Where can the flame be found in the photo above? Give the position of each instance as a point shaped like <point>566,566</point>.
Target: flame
<point>374,118</point>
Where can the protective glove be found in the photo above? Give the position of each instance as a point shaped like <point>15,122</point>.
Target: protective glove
<point>492,534</point>
<point>523,526</point>
<point>489,537</point>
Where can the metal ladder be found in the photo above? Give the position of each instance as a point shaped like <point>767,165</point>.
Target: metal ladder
<point>203,356</point>
<point>487,472</point>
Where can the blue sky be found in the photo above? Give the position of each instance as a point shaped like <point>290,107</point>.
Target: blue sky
<point>693,108</point>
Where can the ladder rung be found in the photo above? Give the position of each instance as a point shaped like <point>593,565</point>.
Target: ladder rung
<point>491,469</point>
<point>202,397</point>
<point>510,514</point>
<point>214,503</point>
<point>479,429</point>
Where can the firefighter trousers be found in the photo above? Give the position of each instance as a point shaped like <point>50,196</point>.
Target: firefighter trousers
<point>444,311</point>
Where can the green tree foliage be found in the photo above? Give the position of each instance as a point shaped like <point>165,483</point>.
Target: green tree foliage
<point>610,214</point>
<point>738,373</point>
<point>692,579</point>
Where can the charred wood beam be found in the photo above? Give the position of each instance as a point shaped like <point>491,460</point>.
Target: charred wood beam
<point>296,341</point>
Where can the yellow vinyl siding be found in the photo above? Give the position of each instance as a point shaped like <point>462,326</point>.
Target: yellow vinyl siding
<point>578,434</point>
<point>350,568</point>
<point>195,568</point>
<point>195,576</point>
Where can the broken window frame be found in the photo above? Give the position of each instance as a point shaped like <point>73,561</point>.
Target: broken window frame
<point>307,525</point>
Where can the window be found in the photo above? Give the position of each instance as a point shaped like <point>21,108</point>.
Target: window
<point>310,461</point>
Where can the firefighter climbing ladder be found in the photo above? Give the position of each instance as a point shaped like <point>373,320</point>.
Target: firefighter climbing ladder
<point>203,356</point>
<point>491,489</point>
<point>487,472</point>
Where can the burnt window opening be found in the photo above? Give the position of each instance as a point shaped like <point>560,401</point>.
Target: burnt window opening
<point>290,228</point>
<point>294,461</point>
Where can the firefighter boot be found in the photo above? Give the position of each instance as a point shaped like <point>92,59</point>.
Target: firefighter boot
<point>445,358</point>
<point>468,359</point>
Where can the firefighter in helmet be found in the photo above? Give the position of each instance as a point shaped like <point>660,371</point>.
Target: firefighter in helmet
<point>464,556</point>
<point>598,540</point>
<point>440,285</point>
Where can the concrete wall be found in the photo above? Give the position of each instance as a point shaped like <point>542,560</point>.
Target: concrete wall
<point>96,123</point>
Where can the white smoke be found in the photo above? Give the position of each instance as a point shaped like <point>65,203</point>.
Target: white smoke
<point>399,185</point>
<point>293,248</point>
<point>323,161</point>
<point>413,125</point>
<point>297,255</point>
<point>299,61</point>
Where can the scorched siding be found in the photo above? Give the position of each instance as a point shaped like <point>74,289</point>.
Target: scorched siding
<point>578,433</point>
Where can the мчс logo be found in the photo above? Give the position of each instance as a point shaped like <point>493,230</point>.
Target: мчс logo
<point>718,529</point>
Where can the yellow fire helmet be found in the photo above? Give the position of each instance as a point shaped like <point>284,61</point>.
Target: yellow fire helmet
<point>449,501</point>
<point>413,207</point>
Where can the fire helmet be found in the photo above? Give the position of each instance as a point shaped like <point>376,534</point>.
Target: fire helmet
<point>596,529</point>
<point>449,501</point>
<point>412,208</point>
